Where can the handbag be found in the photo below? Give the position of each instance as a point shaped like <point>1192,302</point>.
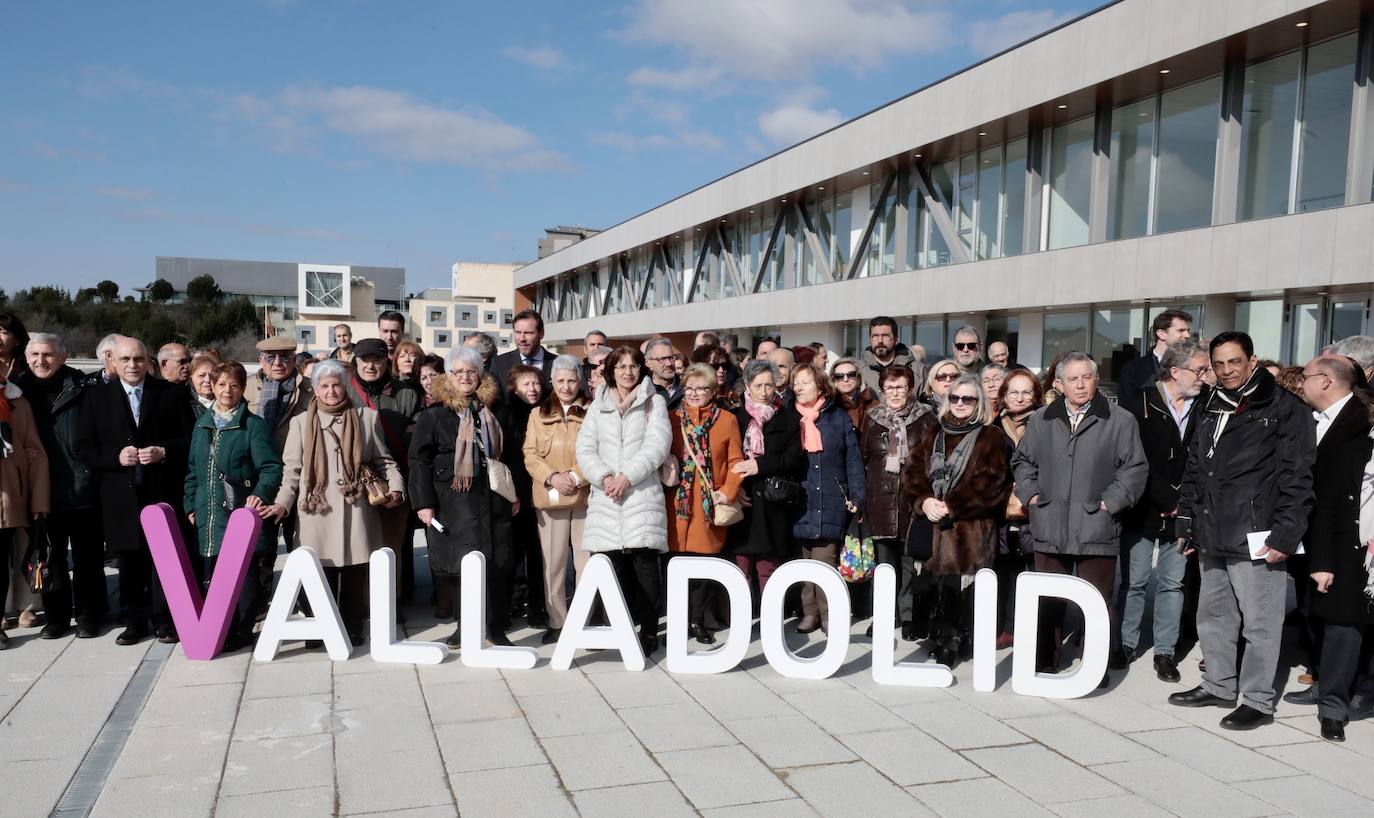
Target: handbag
<point>781,491</point>
<point>725,513</point>
<point>377,494</point>
<point>920,539</point>
<point>500,479</point>
<point>858,554</point>
<point>37,571</point>
<point>670,471</point>
<point>236,491</point>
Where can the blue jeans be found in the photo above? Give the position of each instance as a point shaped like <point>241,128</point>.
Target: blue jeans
<point>1168,592</point>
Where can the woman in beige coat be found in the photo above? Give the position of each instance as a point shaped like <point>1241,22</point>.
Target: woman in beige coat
<point>560,490</point>
<point>326,448</point>
<point>24,488</point>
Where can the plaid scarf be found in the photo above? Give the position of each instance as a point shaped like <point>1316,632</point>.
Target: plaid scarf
<point>274,394</point>
<point>696,437</point>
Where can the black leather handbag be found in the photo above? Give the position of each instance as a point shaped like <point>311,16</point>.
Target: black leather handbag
<point>37,571</point>
<point>236,491</point>
<point>781,492</point>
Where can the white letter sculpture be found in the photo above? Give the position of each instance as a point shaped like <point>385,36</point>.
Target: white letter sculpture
<point>598,579</point>
<point>775,649</point>
<point>1030,587</point>
<point>886,671</point>
<point>681,570</point>
<point>473,624</point>
<point>985,631</point>
<point>302,572</point>
<point>384,645</point>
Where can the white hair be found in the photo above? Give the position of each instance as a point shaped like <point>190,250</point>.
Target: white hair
<point>51,339</point>
<point>568,362</point>
<point>328,368</point>
<point>1359,348</point>
<point>1074,358</point>
<point>466,355</point>
<point>164,355</point>
<point>107,344</point>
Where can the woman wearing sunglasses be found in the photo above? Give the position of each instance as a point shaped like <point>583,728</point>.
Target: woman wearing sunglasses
<point>938,380</point>
<point>957,479</point>
<point>852,393</point>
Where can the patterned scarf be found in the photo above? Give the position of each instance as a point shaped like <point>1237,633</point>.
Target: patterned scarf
<point>1234,401</point>
<point>1015,424</point>
<point>946,471</point>
<point>696,436</point>
<point>474,423</point>
<point>759,415</point>
<point>810,432</point>
<point>896,421</point>
<point>273,392</point>
<point>343,423</point>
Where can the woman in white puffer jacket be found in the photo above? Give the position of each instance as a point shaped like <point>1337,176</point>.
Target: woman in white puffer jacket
<point>624,439</point>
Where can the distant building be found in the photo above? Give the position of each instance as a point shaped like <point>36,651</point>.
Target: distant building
<point>480,300</point>
<point>556,238</point>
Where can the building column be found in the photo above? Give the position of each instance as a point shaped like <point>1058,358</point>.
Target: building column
<point>1218,315</point>
<point>1030,340</point>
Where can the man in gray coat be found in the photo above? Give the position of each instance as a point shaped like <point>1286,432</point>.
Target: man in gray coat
<point>1078,468</point>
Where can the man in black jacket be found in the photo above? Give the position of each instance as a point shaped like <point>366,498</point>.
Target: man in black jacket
<point>528,329</point>
<point>135,435</point>
<point>1335,554</point>
<point>56,393</point>
<point>1168,328</point>
<point>1165,416</point>
<point>661,358</point>
<point>1247,489</point>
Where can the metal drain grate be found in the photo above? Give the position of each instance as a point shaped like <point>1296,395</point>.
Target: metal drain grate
<point>85,787</point>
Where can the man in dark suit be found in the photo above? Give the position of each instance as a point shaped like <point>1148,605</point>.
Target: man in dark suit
<point>528,328</point>
<point>1335,555</point>
<point>1168,328</point>
<point>135,435</point>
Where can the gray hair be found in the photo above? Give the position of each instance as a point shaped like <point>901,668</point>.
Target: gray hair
<point>791,359</point>
<point>1178,355</point>
<point>968,330</point>
<point>657,342</point>
<point>164,354</point>
<point>568,362</point>
<point>759,365</point>
<point>465,355</point>
<point>483,343</point>
<point>1360,348</point>
<point>328,368</point>
<point>982,412</point>
<point>993,368</point>
<point>52,339</point>
<point>107,344</point>
<point>1074,358</point>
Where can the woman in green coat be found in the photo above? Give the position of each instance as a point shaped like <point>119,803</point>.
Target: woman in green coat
<point>232,464</point>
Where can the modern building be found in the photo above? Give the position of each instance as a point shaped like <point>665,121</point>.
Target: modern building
<point>482,299</point>
<point>1215,155</point>
<point>303,299</point>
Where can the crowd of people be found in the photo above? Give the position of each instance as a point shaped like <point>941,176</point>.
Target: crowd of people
<point>1210,482</point>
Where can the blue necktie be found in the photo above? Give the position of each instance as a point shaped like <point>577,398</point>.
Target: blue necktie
<point>135,401</point>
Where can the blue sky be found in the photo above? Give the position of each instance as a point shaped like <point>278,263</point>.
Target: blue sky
<point>421,133</point>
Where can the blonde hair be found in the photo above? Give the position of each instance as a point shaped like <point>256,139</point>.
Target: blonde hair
<point>982,413</point>
<point>704,371</point>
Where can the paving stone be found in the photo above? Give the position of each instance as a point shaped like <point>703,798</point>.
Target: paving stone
<point>1209,719</point>
<point>840,710</point>
<point>568,714</point>
<point>271,765</point>
<point>723,776</point>
<point>1042,774</point>
<point>269,680</point>
<point>360,732</point>
<point>894,695</point>
<point>852,789</point>
<point>488,745</point>
<point>1121,713</point>
<point>175,796</point>
<point>188,749</point>
<point>59,717</point>
<point>492,793</point>
<point>1359,735</point>
<point>210,705</point>
<point>392,781</point>
<point>959,725</point>
<point>470,701</point>
<point>179,671</point>
<point>93,657</point>
<point>453,670</point>
<point>397,687</point>
<point>308,802</point>
<point>1307,795</point>
<point>789,741</point>
<point>1212,755</point>
<point>1002,703</point>
<point>1331,762</point>
<point>608,759</point>
<point>977,798</point>
<point>36,786</point>
<point>681,726</point>
<point>283,718</point>
<point>545,681</point>
<point>1081,740</point>
<point>659,799</point>
<point>1117,806</point>
<point>1182,790</point>
<point>909,756</point>
<point>651,687</point>
<point>735,696</point>
<point>791,808</point>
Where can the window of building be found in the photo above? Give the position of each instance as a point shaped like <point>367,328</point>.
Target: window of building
<point>1326,99</point>
<point>882,243</point>
<point>503,340</point>
<point>1344,318</point>
<point>987,243</point>
<point>1304,323</point>
<point>1071,153</point>
<point>930,333</point>
<point>1266,152</point>
<point>1064,332</point>
<point>1263,322</point>
<point>966,201</point>
<point>1014,202</point>
<point>1131,163</point>
<point>441,339</point>
<point>325,289</point>
<point>1004,328</point>
<point>1116,335</point>
<point>1187,156</point>
<point>305,335</point>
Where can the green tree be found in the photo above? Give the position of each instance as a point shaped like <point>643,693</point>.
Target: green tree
<point>107,290</point>
<point>203,290</point>
<point>161,290</point>
<point>85,295</point>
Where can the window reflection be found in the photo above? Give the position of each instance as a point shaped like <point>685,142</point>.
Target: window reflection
<point>1326,100</point>
<point>1188,120</point>
<point>1132,148</point>
<point>1070,182</point>
<point>1266,151</point>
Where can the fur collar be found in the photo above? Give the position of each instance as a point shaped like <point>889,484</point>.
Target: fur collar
<point>446,393</point>
<point>551,410</point>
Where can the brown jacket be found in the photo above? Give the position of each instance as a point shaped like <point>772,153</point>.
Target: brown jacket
<point>24,486</point>
<point>551,447</point>
<point>695,534</point>
<point>976,503</point>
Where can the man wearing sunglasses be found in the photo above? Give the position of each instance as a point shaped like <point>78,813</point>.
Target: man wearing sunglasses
<point>174,363</point>
<point>968,349</point>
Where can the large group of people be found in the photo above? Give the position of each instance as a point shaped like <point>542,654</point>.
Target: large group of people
<point>1199,493</point>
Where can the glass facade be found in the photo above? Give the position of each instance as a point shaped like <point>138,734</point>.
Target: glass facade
<point>1326,101</point>
<point>1014,202</point>
<point>1266,152</point>
<point>1071,153</point>
<point>1132,160</point>
<point>1064,332</point>
<point>1186,157</point>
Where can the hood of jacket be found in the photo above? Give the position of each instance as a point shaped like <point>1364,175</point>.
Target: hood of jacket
<point>900,355</point>
<point>446,393</point>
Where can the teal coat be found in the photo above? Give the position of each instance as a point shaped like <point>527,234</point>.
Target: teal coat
<point>241,451</point>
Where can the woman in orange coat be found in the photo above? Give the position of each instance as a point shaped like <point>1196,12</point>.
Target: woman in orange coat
<point>707,443</point>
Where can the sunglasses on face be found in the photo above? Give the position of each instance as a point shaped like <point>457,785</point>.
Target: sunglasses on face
<point>278,357</point>
<point>947,376</point>
<point>846,376</point>
<point>965,346</point>
<point>963,400</point>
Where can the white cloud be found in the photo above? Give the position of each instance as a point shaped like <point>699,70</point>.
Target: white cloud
<point>690,78</point>
<point>394,124</point>
<point>786,39</point>
<point>988,37</point>
<point>794,121</point>
<point>543,57</point>
<point>685,140</point>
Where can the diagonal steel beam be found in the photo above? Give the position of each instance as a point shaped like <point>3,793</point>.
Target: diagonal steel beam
<point>731,265</point>
<point>697,268</point>
<point>939,214</point>
<point>814,242</point>
<point>767,257</point>
<point>860,253</point>
<point>672,277</point>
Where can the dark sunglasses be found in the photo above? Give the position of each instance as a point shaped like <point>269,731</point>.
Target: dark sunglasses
<point>846,376</point>
<point>278,357</point>
<point>947,376</point>
<point>179,361</point>
<point>965,400</point>
<point>722,365</point>
<point>965,346</point>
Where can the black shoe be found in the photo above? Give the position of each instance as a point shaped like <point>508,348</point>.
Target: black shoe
<point>908,632</point>
<point>1246,717</point>
<point>1199,697</point>
<point>132,635</point>
<point>232,642</point>
<point>703,636</point>
<point>1167,669</point>
<point>499,639</point>
<point>86,629</point>
<point>167,635</point>
<point>455,639</point>
<point>1361,707</point>
<point>814,626</point>
<point>1307,696</point>
<point>55,630</point>
<point>1106,681</point>
<point>4,640</point>
<point>1121,658</point>
<point>314,644</point>
<point>550,636</point>
<point>537,620</point>
<point>1333,730</point>
<point>649,644</point>
<point>356,639</point>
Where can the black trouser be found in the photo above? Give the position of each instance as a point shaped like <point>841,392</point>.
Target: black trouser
<point>1100,572</point>
<point>245,610</point>
<point>1304,628</point>
<point>1347,663</point>
<point>77,532</point>
<point>637,570</point>
<point>892,551</point>
<point>528,581</point>
<point>700,595</point>
<point>350,587</point>
<point>140,592</point>
<point>500,568</point>
<point>1008,567</point>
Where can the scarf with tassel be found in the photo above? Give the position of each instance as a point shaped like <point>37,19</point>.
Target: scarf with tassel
<point>341,423</point>
<point>473,424</point>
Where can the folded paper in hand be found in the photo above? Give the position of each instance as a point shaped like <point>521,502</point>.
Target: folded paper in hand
<point>1256,540</point>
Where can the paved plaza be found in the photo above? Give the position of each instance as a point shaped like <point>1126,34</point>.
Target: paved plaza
<point>304,736</point>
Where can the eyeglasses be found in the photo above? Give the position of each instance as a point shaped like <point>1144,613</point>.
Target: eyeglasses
<point>1307,375</point>
<point>965,346</point>
<point>846,376</point>
<point>1201,371</point>
<point>947,376</point>
<point>697,389</point>
<point>897,387</point>
<point>722,365</point>
<point>662,359</point>
<point>278,357</point>
<point>627,368</point>
<point>964,400</point>
<point>464,373</point>
<point>178,361</point>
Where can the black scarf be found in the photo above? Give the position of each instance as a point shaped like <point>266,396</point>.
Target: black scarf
<point>946,471</point>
